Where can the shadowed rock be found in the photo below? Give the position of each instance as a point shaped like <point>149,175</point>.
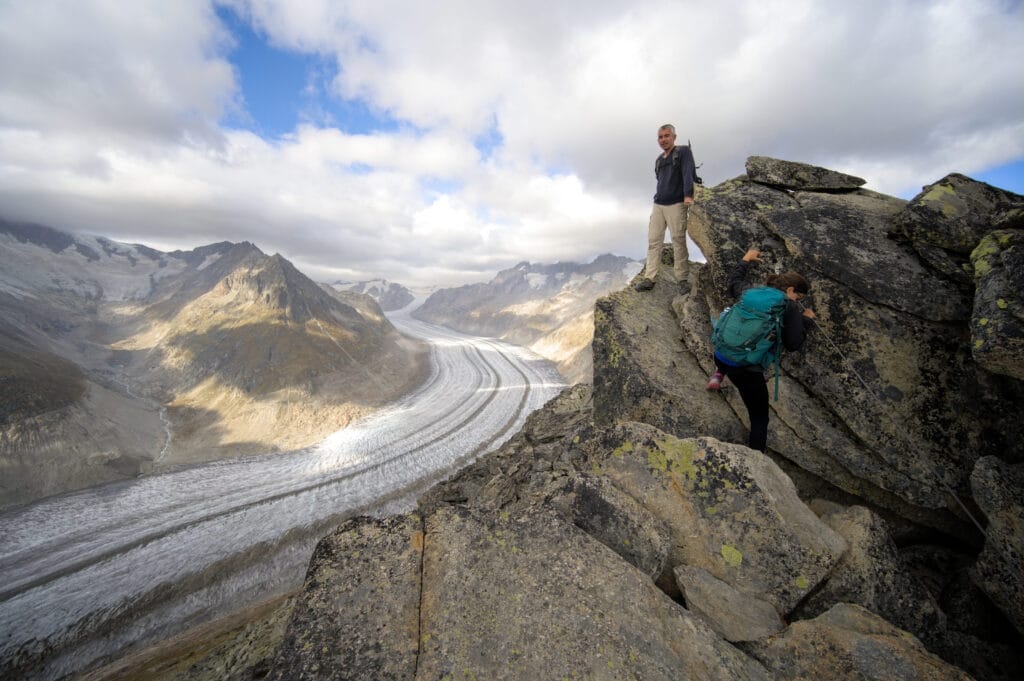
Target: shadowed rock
<point>885,401</point>
<point>616,520</point>
<point>999,490</point>
<point>850,643</point>
<point>947,220</point>
<point>872,575</point>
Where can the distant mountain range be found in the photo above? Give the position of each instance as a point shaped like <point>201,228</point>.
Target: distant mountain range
<point>547,308</point>
<point>117,359</point>
<point>389,295</point>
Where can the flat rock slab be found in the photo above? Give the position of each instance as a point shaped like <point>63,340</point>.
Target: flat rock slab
<point>795,175</point>
<point>358,614</point>
<point>536,598</point>
<point>734,615</point>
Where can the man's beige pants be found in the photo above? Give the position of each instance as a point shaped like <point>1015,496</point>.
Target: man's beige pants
<point>674,217</point>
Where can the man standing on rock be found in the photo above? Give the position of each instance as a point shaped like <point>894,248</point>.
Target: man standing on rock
<point>675,173</point>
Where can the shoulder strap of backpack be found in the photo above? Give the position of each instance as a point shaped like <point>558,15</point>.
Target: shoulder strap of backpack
<point>778,346</point>
<point>696,178</point>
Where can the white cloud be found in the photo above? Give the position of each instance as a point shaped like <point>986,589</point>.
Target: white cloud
<point>110,118</point>
<point>130,72</point>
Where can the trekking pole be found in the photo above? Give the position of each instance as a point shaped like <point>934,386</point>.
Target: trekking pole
<point>872,392</point>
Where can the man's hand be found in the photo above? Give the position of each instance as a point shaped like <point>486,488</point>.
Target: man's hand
<point>752,255</point>
<point>688,201</point>
<point>809,313</point>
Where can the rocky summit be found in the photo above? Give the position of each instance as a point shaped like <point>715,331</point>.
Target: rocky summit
<point>627,533</point>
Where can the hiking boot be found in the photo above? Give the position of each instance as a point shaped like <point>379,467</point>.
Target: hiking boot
<point>716,381</point>
<point>644,284</point>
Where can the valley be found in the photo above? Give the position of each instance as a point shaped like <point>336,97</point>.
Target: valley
<point>119,360</point>
<point>90,574</point>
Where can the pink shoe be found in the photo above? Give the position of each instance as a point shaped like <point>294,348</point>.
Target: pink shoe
<point>716,381</point>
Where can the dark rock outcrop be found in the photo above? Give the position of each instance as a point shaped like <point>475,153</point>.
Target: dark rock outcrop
<point>999,491</point>
<point>997,324</point>
<point>795,175</point>
<point>885,402</point>
<point>872,574</point>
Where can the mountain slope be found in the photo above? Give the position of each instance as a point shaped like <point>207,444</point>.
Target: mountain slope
<point>389,295</point>
<point>548,308</point>
<point>118,359</point>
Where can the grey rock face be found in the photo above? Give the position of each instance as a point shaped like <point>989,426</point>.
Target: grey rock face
<point>999,490</point>
<point>358,614</point>
<point>525,598</point>
<point>616,520</point>
<point>795,175</point>
<point>500,603</point>
<point>730,511</point>
<point>850,643</point>
<point>645,374</point>
<point>733,615</point>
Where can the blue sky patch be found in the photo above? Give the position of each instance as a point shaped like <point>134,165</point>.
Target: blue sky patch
<point>489,140</point>
<point>1009,176</point>
<point>282,88</point>
<point>439,186</point>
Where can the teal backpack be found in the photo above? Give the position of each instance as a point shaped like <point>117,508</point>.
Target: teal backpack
<point>750,332</point>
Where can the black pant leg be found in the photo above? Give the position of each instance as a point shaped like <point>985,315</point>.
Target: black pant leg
<point>754,392</point>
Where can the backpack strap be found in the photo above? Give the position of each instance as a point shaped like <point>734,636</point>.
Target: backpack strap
<point>778,350</point>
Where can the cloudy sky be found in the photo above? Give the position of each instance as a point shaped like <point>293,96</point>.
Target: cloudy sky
<point>438,142</point>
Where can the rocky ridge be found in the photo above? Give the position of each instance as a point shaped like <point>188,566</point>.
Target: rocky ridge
<point>622,534</point>
<point>388,294</point>
<point>547,308</point>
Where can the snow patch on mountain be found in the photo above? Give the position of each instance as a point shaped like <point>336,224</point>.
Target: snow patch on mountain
<point>91,267</point>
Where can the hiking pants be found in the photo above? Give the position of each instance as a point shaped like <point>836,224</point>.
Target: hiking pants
<point>754,392</point>
<point>674,217</point>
